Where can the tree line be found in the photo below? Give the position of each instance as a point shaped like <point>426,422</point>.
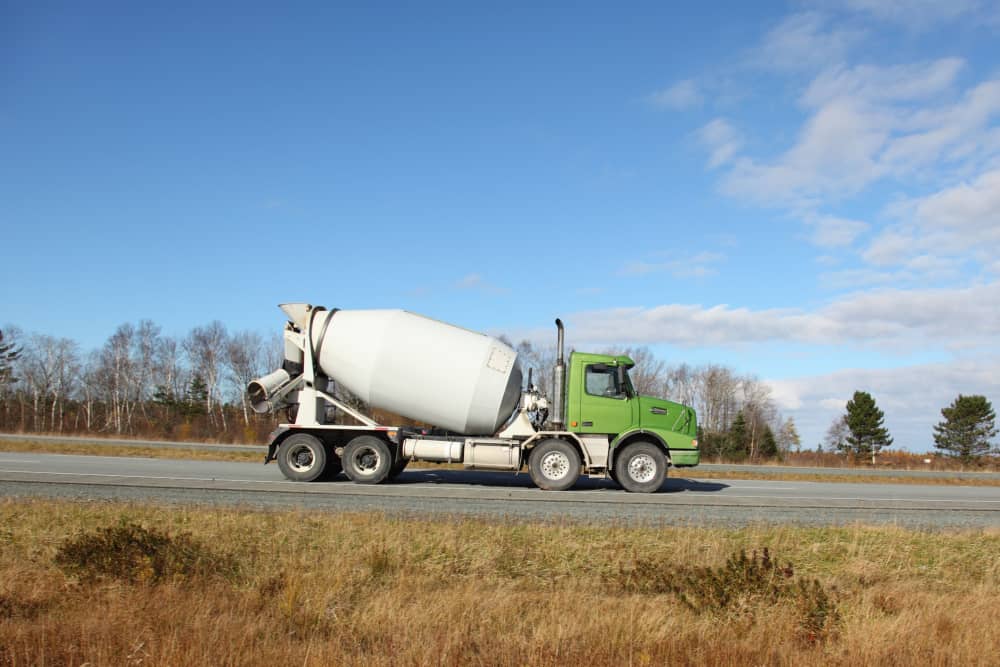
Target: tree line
<point>141,382</point>
<point>965,432</point>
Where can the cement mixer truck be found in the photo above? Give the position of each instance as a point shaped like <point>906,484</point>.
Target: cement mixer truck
<point>468,388</point>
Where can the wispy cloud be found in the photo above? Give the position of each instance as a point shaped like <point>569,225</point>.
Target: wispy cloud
<point>832,232</point>
<point>722,140</point>
<point>476,282</point>
<point>915,14</point>
<point>681,95</point>
<point>804,41</point>
<point>696,266</point>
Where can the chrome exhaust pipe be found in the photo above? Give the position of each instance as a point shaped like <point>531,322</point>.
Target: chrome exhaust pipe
<point>559,383</point>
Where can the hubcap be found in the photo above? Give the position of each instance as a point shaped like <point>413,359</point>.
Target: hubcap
<point>300,458</point>
<point>366,460</point>
<point>642,468</point>
<point>555,465</point>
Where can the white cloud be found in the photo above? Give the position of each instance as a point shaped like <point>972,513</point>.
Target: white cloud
<point>682,95</point>
<point>962,221</point>
<point>896,320</point>
<point>835,155</point>
<point>695,266</point>
<point>917,14</point>
<point>830,231</point>
<point>874,83</point>
<point>804,41</point>
<point>722,141</point>
<point>475,281</point>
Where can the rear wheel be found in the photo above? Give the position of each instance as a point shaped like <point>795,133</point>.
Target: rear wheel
<point>367,460</point>
<point>302,458</point>
<point>641,467</point>
<point>554,465</point>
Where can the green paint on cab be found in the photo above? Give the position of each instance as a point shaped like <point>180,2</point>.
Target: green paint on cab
<point>600,400</point>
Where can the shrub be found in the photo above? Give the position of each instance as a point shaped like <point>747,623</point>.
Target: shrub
<point>743,585</point>
<point>133,553</point>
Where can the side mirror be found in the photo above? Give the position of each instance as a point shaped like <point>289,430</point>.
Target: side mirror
<point>621,380</point>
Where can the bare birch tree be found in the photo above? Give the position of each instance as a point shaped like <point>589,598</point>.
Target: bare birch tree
<point>206,349</point>
<point>244,361</point>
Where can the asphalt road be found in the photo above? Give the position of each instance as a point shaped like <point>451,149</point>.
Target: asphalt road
<point>681,500</point>
<point>719,467</point>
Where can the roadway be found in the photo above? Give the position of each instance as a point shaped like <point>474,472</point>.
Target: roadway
<point>683,499</point>
<point>56,440</point>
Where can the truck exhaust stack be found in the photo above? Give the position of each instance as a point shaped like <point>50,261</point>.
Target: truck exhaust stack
<point>559,383</point>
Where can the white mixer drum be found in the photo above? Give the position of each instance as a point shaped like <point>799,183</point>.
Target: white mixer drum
<point>420,368</point>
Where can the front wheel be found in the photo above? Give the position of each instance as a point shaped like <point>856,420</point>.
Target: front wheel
<point>554,465</point>
<point>367,460</point>
<point>641,467</point>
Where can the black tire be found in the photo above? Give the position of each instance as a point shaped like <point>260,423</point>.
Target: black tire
<point>641,467</point>
<point>554,465</point>
<point>367,460</point>
<point>302,458</point>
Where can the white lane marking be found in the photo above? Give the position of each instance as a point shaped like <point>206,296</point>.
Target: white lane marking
<point>17,461</point>
<point>761,488</point>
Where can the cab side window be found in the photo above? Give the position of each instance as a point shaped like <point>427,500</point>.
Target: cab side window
<point>602,380</point>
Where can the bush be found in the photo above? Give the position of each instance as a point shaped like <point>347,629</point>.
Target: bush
<point>133,553</point>
<point>742,585</point>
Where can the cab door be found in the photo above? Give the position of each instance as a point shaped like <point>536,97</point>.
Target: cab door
<point>604,404</point>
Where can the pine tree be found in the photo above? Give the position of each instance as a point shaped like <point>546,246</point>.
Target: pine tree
<point>738,440</point>
<point>769,445</point>
<point>865,422</point>
<point>968,426</point>
<point>195,398</point>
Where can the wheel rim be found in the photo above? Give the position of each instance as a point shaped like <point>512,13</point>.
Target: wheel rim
<point>366,460</point>
<point>301,458</point>
<point>555,465</point>
<point>642,468</point>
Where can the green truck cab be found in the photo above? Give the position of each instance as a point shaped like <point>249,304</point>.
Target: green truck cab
<point>602,401</point>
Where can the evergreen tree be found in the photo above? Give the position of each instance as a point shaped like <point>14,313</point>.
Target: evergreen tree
<point>865,422</point>
<point>195,398</point>
<point>769,445</point>
<point>968,426</point>
<point>738,440</point>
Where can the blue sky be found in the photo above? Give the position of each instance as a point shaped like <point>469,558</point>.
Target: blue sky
<point>807,191</point>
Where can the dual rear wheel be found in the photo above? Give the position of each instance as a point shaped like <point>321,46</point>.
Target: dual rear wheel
<point>366,459</point>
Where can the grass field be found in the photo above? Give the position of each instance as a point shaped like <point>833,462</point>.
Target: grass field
<point>109,583</point>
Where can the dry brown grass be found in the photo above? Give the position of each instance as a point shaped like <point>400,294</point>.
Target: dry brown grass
<point>328,589</point>
<point>93,449</point>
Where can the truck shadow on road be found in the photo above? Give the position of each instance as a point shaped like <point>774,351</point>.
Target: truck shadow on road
<point>523,480</point>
